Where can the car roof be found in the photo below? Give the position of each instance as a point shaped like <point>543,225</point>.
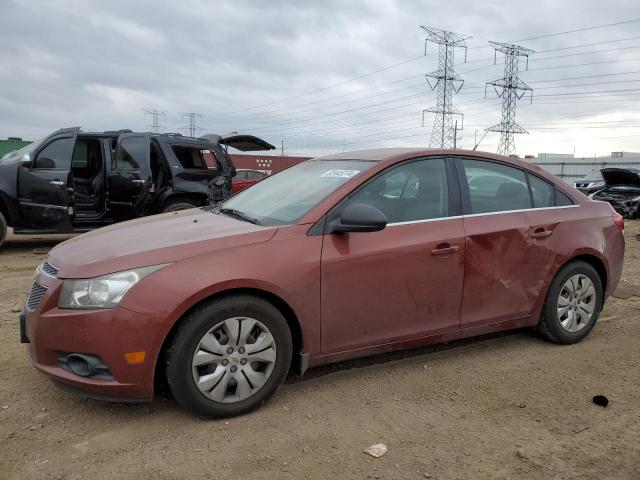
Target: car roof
<point>116,133</point>
<point>383,154</point>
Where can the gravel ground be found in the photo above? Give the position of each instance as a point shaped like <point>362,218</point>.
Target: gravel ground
<point>502,406</point>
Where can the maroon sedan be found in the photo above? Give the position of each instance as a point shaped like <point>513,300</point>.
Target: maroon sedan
<point>244,178</point>
<point>338,257</point>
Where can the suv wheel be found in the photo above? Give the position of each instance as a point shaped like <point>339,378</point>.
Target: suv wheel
<point>180,205</point>
<point>3,229</point>
<point>573,304</point>
<point>229,356</point>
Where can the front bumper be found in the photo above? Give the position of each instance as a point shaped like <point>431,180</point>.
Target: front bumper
<point>109,334</point>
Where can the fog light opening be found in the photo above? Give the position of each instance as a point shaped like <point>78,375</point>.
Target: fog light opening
<point>82,365</point>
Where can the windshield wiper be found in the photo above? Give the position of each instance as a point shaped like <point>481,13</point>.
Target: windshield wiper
<point>238,214</point>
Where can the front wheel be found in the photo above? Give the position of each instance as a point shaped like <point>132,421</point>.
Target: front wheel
<point>573,304</point>
<point>229,356</point>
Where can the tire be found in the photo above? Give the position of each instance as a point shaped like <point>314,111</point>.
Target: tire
<point>3,229</point>
<point>180,205</point>
<point>199,354</point>
<point>568,317</point>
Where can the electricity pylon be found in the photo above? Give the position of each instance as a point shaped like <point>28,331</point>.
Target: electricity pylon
<point>511,89</point>
<point>445,82</point>
<point>155,119</point>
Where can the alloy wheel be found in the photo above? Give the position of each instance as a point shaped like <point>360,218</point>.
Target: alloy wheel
<point>234,360</point>
<point>576,303</point>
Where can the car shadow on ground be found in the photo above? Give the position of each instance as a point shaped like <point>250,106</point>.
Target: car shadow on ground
<point>164,404</point>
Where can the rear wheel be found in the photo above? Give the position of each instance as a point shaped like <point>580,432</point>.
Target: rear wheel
<point>229,356</point>
<point>3,229</point>
<point>573,304</point>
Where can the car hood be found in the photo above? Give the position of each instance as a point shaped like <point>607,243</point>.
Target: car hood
<point>153,240</point>
<point>620,176</point>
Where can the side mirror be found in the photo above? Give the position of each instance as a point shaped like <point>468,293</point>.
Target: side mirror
<point>25,161</point>
<point>359,217</point>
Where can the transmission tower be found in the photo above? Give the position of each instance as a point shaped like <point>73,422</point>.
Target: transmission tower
<point>510,88</point>
<point>445,82</point>
<point>155,119</point>
<point>192,127</point>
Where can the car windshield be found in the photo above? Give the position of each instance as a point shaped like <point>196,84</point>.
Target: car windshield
<point>16,156</point>
<point>284,198</point>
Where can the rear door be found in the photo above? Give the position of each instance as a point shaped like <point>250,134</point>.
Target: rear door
<point>44,186</point>
<point>508,258</point>
<point>130,183</point>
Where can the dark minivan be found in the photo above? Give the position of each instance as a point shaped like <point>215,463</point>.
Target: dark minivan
<point>74,181</point>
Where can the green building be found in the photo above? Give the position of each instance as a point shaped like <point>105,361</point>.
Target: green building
<point>11,144</point>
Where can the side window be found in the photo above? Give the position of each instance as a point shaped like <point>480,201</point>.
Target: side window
<point>56,155</point>
<point>563,200</point>
<point>130,149</point>
<point>542,192</point>
<point>195,158</point>
<point>241,175</point>
<point>410,192</point>
<point>80,157</point>
<point>494,187</point>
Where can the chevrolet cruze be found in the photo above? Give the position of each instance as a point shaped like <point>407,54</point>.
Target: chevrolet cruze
<point>338,257</point>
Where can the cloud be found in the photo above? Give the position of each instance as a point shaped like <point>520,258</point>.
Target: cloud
<point>99,64</point>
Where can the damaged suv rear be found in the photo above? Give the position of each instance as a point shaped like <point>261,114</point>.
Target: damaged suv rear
<point>622,191</point>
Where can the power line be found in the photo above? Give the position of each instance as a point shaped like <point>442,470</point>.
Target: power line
<point>584,29</point>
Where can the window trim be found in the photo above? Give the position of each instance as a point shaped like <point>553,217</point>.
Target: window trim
<point>453,187</point>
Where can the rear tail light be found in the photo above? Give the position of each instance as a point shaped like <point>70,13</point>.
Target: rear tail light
<point>618,220</point>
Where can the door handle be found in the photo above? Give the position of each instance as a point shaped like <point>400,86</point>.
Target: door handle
<point>539,233</point>
<point>138,180</point>
<point>57,182</point>
<point>445,249</point>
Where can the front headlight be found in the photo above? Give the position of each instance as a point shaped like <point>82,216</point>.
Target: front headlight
<point>101,292</point>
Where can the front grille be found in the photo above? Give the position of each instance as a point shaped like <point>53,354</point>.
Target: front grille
<point>36,295</point>
<point>49,269</point>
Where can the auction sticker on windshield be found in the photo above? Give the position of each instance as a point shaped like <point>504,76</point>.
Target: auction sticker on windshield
<point>340,173</point>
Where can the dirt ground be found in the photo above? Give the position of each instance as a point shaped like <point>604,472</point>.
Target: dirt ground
<point>503,406</point>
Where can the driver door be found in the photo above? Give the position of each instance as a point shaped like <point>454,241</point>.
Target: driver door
<point>130,181</point>
<point>44,184</point>
<point>406,280</point>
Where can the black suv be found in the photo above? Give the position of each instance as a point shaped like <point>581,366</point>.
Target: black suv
<point>74,181</point>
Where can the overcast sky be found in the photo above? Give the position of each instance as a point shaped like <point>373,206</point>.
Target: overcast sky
<point>285,70</point>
